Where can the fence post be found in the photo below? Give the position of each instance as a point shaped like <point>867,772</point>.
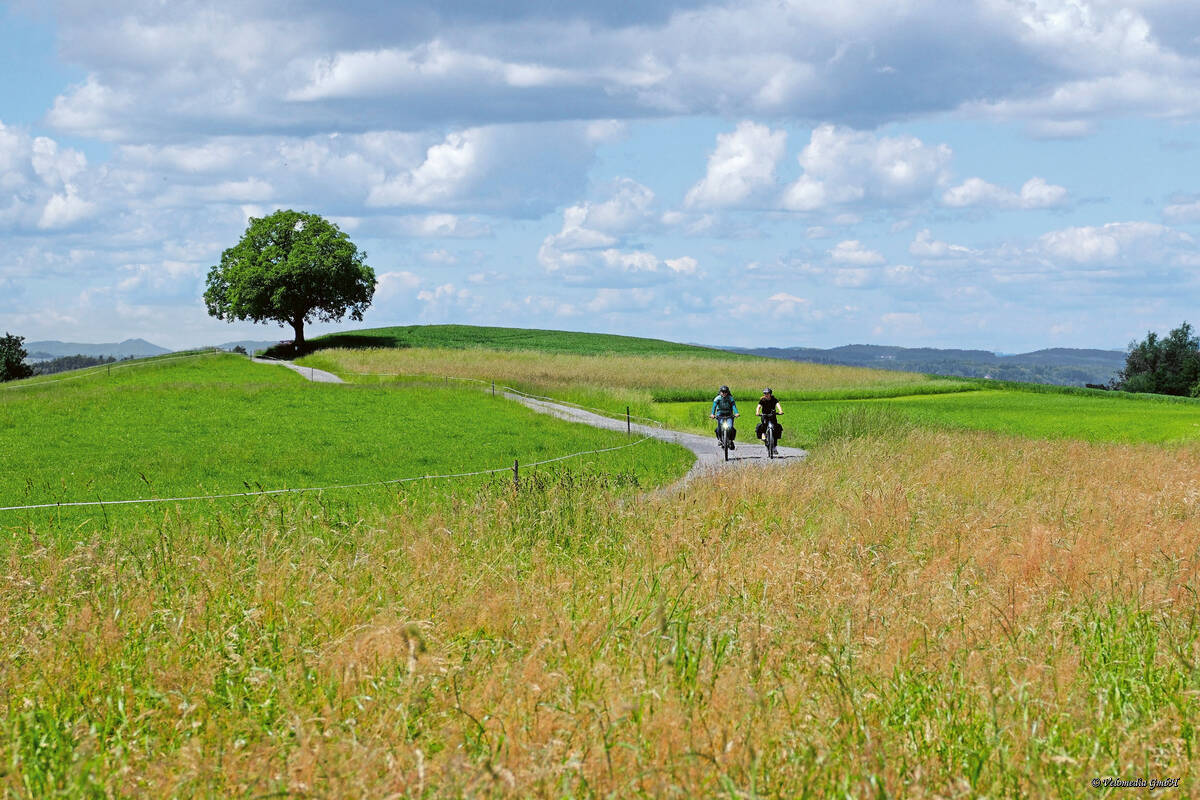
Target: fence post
<point>628,427</point>
<point>516,475</point>
<point>493,388</point>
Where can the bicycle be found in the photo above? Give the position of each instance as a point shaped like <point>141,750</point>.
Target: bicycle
<point>769,433</point>
<point>724,425</point>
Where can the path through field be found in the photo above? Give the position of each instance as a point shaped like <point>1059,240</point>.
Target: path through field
<point>315,375</point>
<point>709,457</point>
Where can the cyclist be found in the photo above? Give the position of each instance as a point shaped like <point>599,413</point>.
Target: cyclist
<point>768,408</point>
<point>724,406</point>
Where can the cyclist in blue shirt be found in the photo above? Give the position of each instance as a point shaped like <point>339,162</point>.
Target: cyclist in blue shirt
<point>724,406</point>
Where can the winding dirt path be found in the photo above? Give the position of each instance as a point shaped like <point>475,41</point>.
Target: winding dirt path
<point>709,457</point>
<point>314,375</point>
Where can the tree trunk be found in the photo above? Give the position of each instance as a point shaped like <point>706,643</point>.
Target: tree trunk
<point>298,327</point>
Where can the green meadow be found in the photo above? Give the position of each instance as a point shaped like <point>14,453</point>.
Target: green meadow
<point>677,388</point>
<point>217,424</point>
<point>1019,413</point>
<point>962,592</point>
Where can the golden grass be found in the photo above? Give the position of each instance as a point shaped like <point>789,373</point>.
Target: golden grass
<point>930,615</point>
<point>634,376</point>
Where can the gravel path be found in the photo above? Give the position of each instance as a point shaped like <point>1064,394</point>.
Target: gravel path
<point>709,457</point>
<point>315,375</point>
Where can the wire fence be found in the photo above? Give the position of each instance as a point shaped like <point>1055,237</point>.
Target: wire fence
<point>514,468</point>
<point>33,383</point>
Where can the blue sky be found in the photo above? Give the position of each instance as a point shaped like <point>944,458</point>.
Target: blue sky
<point>1001,174</point>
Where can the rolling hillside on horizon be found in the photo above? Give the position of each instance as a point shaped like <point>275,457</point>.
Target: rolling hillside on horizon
<point>136,348</point>
<point>1063,366</point>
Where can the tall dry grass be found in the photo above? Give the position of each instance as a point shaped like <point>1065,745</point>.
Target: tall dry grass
<point>634,376</point>
<point>914,613</point>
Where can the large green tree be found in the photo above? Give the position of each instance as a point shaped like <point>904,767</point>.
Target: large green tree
<point>12,358</point>
<point>1170,365</point>
<point>291,267</point>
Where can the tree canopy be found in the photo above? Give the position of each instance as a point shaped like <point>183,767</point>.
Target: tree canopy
<point>1170,365</point>
<point>291,267</point>
<point>12,358</point>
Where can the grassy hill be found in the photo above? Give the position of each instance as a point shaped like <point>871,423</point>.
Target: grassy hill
<point>918,610</point>
<point>217,423</point>
<point>473,336</point>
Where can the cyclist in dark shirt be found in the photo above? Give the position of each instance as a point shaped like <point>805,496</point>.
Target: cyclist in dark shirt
<point>768,407</point>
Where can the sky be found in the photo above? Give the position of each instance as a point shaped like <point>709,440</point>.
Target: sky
<point>1008,175</point>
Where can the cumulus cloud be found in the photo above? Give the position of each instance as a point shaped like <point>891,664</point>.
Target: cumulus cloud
<point>1183,212</point>
<point>589,248</point>
<point>853,252</point>
<point>741,166</point>
<point>976,192</point>
<point>42,186</point>
<point>786,304</point>
<point>1118,243</point>
<point>925,246</point>
<point>846,166</point>
<point>245,67</point>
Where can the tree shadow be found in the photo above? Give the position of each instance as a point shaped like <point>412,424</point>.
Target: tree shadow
<point>346,341</point>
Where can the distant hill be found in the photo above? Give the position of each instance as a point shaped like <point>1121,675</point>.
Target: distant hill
<point>130,348</point>
<point>1060,365</point>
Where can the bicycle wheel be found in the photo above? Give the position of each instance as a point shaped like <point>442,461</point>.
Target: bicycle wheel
<point>725,441</point>
<point>770,439</point>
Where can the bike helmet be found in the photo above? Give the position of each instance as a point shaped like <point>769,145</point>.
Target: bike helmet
<point>724,388</point>
<point>767,390</point>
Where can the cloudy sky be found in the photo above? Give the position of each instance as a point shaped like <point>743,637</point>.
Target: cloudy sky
<point>1001,174</point>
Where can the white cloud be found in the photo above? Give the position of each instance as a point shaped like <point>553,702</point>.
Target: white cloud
<point>368,73</point>
<point>245,66</point>
<point>976,192</point>
<point>853,252</point>
<point>684,265</point>
<point>925,246</point>
<point>741,167</point>
<point>1183,212</point>
<point>844,166</point>
<point>64,209</point>
<point>42,185</point>
<point>1118,242</point>
<point>786,304</point>
<point>446,172</point>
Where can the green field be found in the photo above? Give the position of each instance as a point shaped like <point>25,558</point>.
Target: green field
<point>1058,416</point>
<point>217,424</point>
<point>979,593</point>
<point>678,389</point>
